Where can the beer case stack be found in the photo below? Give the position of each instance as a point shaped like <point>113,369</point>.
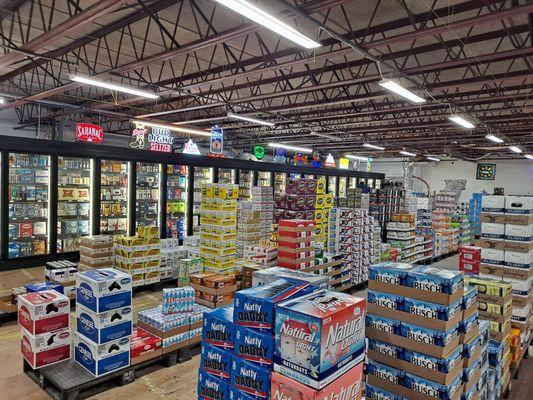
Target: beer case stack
<point>469,259</point>
<point>263,203</point>
<point>375,241</point>
<point>171,254</point>
<point>213,290</point>
<point>103,320</point>
<point>44,319</point>
<point>96,252</point>
<point>140,256</point>
<point>349,234</point>
<point>401,233</point>
<point>248,226</point>
<point>507,253</point>
<point>218,230</point>
<point>296,238</point>
<point>419,322</point>
<point>495,306</point>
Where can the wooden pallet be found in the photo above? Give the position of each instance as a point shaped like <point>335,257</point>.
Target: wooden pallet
<point>70,381</point>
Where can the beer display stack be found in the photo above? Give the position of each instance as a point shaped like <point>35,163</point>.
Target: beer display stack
<point>349,235</point>
<point>263,202</point>
<point>218,230</point>
<point>469,259</point>
<point>495,306</point>
<point>375,241</point>
<point>296,239</point>
<point>507,255</point>
<point>96,252</point>
<point>249,229</point>
<point>419,321</point>
<point>401,234</point>
<point>103,320</point>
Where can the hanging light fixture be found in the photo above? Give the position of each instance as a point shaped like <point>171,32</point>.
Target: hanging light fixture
<point>288,147</point>
<point>461,121</point>
<point>115,87</point>
<point>373,146</point>
<point>395,87</point>
<point>250,119</point>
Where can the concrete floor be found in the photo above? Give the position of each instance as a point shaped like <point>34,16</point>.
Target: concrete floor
<point>178,382</point>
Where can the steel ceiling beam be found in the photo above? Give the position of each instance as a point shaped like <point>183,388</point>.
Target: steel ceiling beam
<point>8,6</point>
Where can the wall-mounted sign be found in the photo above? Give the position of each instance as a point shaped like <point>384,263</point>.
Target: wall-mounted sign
<point>486,172</point>
<point>138,136</point>
<point>191,148</point>
<point>315,163</point>
<point>89,133</point>
<point>280,156</point>
<point>160,139</point>
<point>330,162</point>
<point>259,151</point>
<point>217,140</point>
<point>344,163</point>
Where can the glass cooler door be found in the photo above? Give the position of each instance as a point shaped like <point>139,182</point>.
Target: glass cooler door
<point>342,186</point>
<point>73,202</point>
<point>263,178</point>
<point>332,185</point>
<point>279,182</point>
<point>177,177</point>
<point>29,185</point>
<point>148,190</point>
<point>201,175</point>
<point>114,197</point>
<point>226,175</point>
<point>246,181</point>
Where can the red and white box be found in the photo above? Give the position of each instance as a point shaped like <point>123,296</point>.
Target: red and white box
<point>470,253</point>
<point>144,346</point>
<point>42,312</point>
<point>469,267</point>
<point>47,348</point>
<point>296,228</point>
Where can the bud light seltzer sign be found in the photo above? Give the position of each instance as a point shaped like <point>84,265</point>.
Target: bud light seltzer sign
<point>160,139</point>
<point>89,133</point>
<point>217,140</point>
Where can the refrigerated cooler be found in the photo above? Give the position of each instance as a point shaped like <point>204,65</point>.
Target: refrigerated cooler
<point>73,202</point>
<point>148,194</point>
<point>263,178</point>
<point>342,186</point>
<point>246,181</point>
<point>226,175</point>
<point>280,179</point>
<point>114,196</point>
<point>332,185</point>
<point>177,183</point>
<point>353,183</point>
<point>28,196</point>
<point>201,175</point>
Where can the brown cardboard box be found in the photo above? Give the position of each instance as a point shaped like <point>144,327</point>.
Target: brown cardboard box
<point>212,291</point>
<point>493,218</point>
<point>519,246</point>
<point>475,378</point>
<point>424,348</point>
<point>522,301</point>
<point>500,318</point>
<point>419,320</point>
<point>467,362</point>
<point>161,334</point>
<point>214,305</point>
<point>495,299</point>
<point>490,244</point>
<point>466,337</point>
<point>440,298</point>
<point>519,219</point>
<point>470,310</point>
<point>436,376</point>
<point>403,391</point>
<point>506,272</point>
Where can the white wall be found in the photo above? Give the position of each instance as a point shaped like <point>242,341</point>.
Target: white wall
<point>515,176</point>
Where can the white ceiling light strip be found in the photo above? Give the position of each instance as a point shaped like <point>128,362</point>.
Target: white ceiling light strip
<point>373,146</point>
<point>174,128</point>
<point>461,121</point>
<point>288,147</point>
<point>250,119</point>
<point>407,153</point>
<point>395,87</point>
<point>115,87</point>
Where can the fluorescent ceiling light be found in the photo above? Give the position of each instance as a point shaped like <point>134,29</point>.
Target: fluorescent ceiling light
<point>433,158</point>
<point>461,121</point>
<point>495,139</point>
<point>249,119</point>
<point>529,156</point>
<point>360,158</point>
<point>116,88</point>
<point>400,90</point>
<point>2,100</point>
<point>174,128</point>
<point>269,21</point>
<point>515,149</point>
<point>373,146</point>
<point>325,136</point>
<point>406,153</point>
<point>287,147</point>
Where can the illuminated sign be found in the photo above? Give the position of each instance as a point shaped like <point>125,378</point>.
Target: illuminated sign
<point>159,139</point>
<point>217,140</point>
<point>259,151</point>
<point>138,136</point>
<point>330,161</point>
<point>89,133</point>
<point>344,163</point>
<point>191,148</point>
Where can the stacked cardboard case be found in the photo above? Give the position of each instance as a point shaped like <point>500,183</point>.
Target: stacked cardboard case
<point>248,226</point>
<point>507,251</point>
<point>263,202</point>
<point>296,239</point>
<point>96,252</point>
<point>419,322</point>
<point>103,320</point>
<point>218,230</point>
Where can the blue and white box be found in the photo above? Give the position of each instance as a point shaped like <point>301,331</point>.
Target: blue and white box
<point>469,323</point>
<point>375,393</point>
<point>254,307</point>
<point>393,273</point>
<point>211,388</point>
<point>237,394</point>
<point>433,389</point>
<point>269,275</point>
<point>104,358</point>
<point>429,336</point>
<point>383,324</point>
<point>40,287</point>
<point>216,361</point>
<point>254,345</point>
<point>103,289</point>
<point>387,349</point>
<point>155,318</point>
<point>106,326</point>
<point>218,329</point>
<point>442,365</point>
<point>435,280</point>
<point>469,296</point>
<point>250,378</point>
<point>385,300</point>
<point>432,310</point>
<point>385,373</point>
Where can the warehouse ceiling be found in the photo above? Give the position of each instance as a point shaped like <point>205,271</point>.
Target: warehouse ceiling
<point>469,57</point>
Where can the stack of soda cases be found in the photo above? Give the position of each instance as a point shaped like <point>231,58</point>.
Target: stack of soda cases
<point>469,259</point>
<point>263,202</point>
<point>44,318</point>
<point>103,320</point>
<point>218,230</point>
<point>375,241</point>
<point>419,322</point>
<point>248,226</point>
<point>349,234</point>
<point>495,306</point>
<point>296,239</point>
<point>238,342</point>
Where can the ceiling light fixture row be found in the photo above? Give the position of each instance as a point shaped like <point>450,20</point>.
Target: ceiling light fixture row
<point>250,119</point>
